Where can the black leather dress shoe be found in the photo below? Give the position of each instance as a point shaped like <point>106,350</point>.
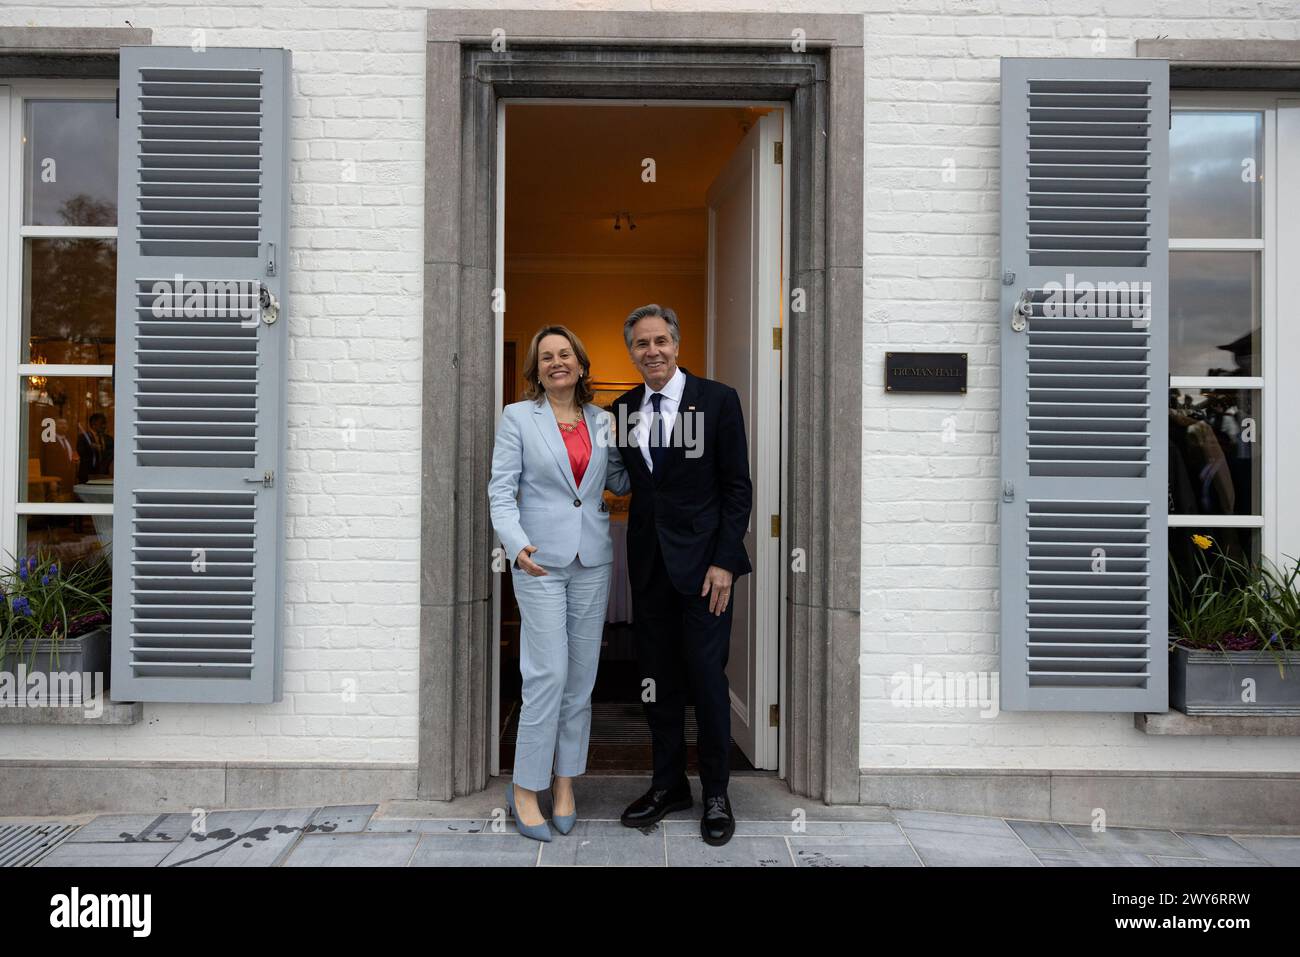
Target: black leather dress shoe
<point>650,807</point>
<point>718,823</point>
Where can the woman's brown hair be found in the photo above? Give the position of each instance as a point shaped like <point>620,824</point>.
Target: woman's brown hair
<point>533,389</point>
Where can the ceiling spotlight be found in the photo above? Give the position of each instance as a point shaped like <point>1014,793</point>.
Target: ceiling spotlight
<point>617,216</point>
<point>630,224</point>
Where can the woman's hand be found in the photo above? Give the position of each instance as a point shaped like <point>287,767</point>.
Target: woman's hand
<point>527,564</point>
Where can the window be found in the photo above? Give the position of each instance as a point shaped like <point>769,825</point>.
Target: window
<point>58,236</point>
<point>1229,229</point>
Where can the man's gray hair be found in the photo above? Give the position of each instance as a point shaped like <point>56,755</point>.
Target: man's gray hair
<point>653,309</point>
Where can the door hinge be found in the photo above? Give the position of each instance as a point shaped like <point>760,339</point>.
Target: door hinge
<point>777,152</point>
<point>1008,492</point>
<point>776,338</point>
<point>776,526</point>
<point>774,716</point>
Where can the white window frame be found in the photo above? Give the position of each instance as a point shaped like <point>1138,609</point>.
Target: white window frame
<point>1279,520</point>
<point>13,98</point>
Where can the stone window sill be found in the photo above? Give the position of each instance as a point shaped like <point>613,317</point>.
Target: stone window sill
<point>1217,725</point>
<point>113,713</point>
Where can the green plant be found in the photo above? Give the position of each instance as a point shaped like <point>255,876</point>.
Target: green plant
<point>1277,591</point>
<point>1230,605</point>
<point>40,600</point>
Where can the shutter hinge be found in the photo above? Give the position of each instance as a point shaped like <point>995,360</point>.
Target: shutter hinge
<point>267,480</point>
<point>774,716</point>
<point>776,526</point>
<point>117,103</point>
<point>270,259</point>
<point>1008,492</point>
<point>778,152</point>
<point>776,338</point>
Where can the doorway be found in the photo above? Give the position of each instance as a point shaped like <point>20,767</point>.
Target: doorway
<point>605,206</point>
<point>474,59</point>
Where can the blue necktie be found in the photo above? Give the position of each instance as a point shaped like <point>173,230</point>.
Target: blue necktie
<point>658,446</point>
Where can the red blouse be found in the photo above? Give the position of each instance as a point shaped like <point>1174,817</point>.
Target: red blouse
<point>578,442</point>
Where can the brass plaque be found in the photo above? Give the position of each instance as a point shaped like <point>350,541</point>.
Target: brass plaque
<point>925,372</point>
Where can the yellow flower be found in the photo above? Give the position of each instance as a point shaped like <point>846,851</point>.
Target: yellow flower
<point>1202,541</point>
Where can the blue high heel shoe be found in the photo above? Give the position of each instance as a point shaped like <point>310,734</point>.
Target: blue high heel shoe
<point>538,832</point>
<point>564,822</point>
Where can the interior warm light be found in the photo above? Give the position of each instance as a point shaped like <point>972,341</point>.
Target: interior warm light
<point>38,381</point>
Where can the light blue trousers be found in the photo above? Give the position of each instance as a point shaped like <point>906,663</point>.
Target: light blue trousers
<point>562,616</point>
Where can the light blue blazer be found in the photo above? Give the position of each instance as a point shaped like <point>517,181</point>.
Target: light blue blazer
<point>534,499</point>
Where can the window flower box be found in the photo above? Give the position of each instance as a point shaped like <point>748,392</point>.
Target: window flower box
<point>67,672</point>
<point>1234,642</point>
<point>1233,682</point>
<point>54,632</point>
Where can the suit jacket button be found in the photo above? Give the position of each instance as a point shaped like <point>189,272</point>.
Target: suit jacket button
<point>577,503</point>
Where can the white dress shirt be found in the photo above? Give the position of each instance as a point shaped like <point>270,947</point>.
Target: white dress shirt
<point>672,397</point>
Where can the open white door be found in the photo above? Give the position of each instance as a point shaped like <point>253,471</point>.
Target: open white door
<point>744,307</point>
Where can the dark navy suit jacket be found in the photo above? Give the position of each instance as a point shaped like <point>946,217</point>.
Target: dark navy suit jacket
<point>696,508</point>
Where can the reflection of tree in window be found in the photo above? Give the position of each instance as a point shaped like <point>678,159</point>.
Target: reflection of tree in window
<point>73,287</point>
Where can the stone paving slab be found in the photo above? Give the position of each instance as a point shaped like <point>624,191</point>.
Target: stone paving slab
<point>124,829</point>
<point>1219,848</point>
<point>477,850</point>
<point>343,818</point>
<point>959,840</point>
<point>1141,840</point>
<point>788,829</point>
<point>738,852</point>
<point>774,829</point>
<point>1044,835</point>
<point>838,851</point>
<point>353,850</point>
<point>606,844</point>
<point>264,842</point>
<point>106,855</point>
<point>430,826</point>
<point>1278,851</point>
<point>1060,858</point>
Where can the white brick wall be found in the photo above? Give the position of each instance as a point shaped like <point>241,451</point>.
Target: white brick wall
<point>929,549</point>
<point>931,261</point>
<point>353,534</point>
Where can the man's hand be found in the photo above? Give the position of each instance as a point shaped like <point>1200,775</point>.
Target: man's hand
<point>527,564</point>
<point>717,580</point>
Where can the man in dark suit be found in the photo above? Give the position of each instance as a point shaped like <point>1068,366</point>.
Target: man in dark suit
<point>95,449</point>
<point>682,439</point>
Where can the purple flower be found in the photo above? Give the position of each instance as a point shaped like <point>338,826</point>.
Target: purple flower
<point>45,579</point>
<point>22,607</point>
<point>54,570</point>
<point>22,569</point>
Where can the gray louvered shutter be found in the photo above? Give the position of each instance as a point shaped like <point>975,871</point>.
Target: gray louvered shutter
<point>1083,433</point>
<point>198,498</point>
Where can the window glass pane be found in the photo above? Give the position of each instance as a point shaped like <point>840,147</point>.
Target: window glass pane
<point>1215,174</point>
<point>1214,455</point>
<point>66,452</point>
<point>1214,313</point>
<point>71,539</point>
<point>70,163</point>
<point>69,300</point>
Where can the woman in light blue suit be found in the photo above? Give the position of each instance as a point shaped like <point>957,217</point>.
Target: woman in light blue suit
<point>554,457</point>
